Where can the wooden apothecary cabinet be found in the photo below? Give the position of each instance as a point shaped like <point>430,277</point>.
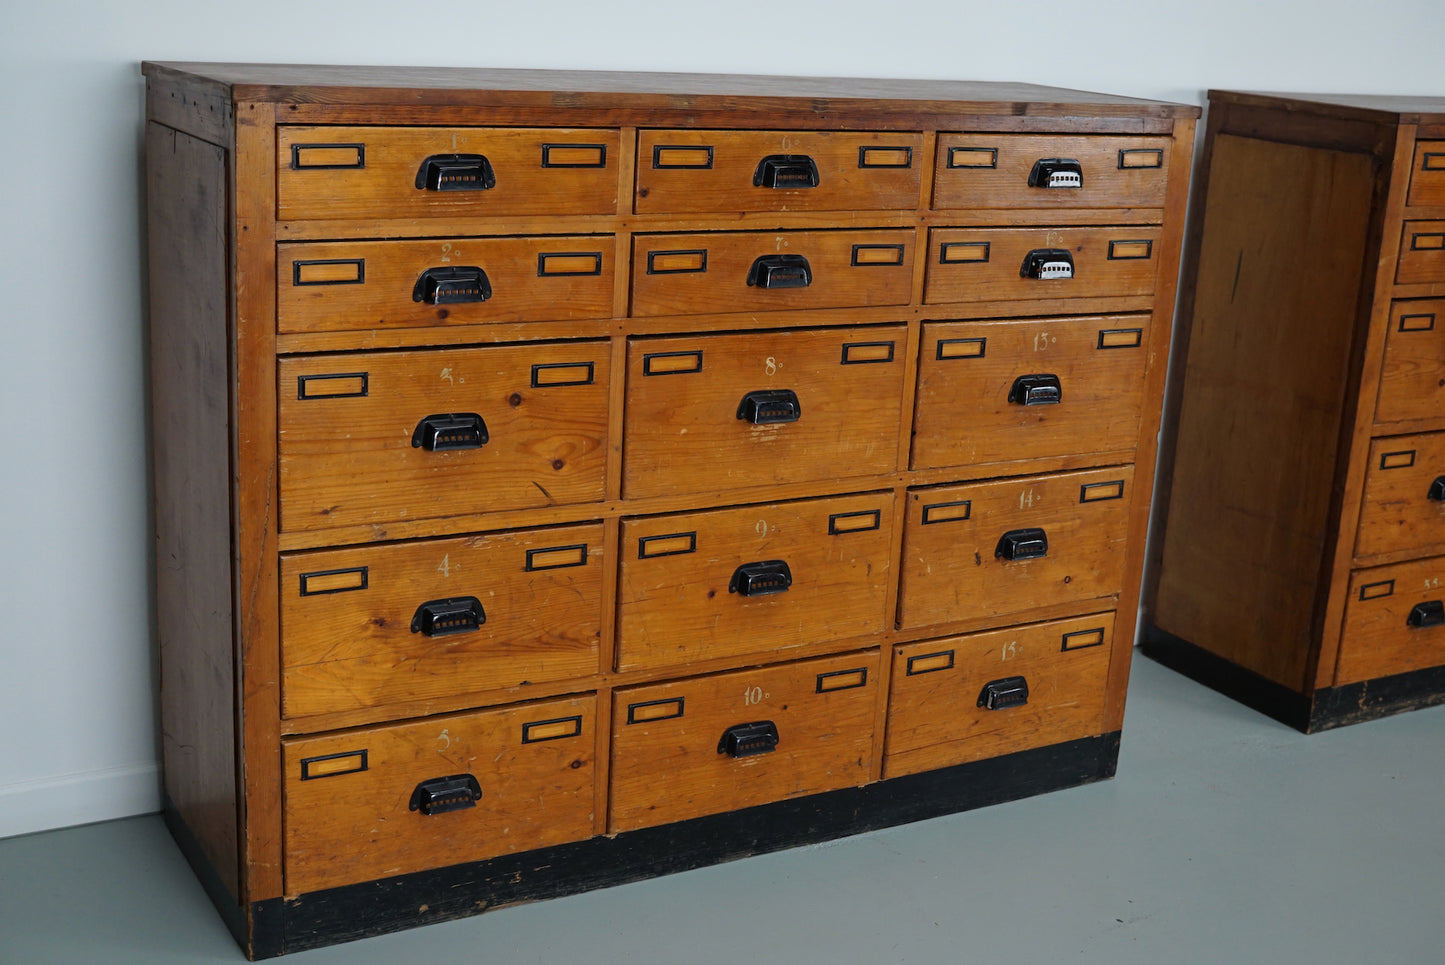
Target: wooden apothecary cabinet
<point>1304,520</point>
<point>539,503</point>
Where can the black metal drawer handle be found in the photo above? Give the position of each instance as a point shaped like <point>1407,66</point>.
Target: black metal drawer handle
<point>780,271</point>
<point>1437,489</point>
<point>1046,263</point>
<point>1022,544</point>
<point>1038,389</point>
<point>441,618</point>
<point>786,171</point>
<point>1431,613</point>
<point>1004,693</point>
<point>747,740</point>
<point>770,406</point>
<point>456,792</point>
<point>762,578</point>
<point>454,285</point>
<point>456,172</point>
<point>1056,172</point>
<point>450,430</point>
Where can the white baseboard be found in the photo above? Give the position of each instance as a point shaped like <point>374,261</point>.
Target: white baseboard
<point>84,798</point>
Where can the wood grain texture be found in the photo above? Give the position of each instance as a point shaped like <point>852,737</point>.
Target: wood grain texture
<point>1422,253</point>
<point>950,568</point>
<point>386,186</point>
<point>848,384</point>
<point>1245,542</point>
<point>674,601</point>
<point>825,740</point>
<point>1427,174</point>
<point>350,460</point>
<point>349,635</point>
<point>966,410</point>
<point>530,280</point>
<point>1397,512</point>
<point>190,334</point>
<point>1412,379</point>
<point>534,793</point>
<point>993,171</point>
<point>935,719</point>
<point>1379,639</point>
<point>721,285</point>
<point>985,264</point>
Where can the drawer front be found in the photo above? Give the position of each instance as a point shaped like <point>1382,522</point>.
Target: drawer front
<point>696,586</point>
<point>974,550</point>
<point>1008,264</point>
<point>1422,254</point>
<point>349,797</point>
<point>681,750</point>
<point>1404,502</point>
<point>422,172</point>
<point>414,621</point>
<point>754,271</point>
<point>995,391</point>
<point>1017,171</point>
<point>355,432</point>
<point>1427,179</point>
<point>761,408</point>
<point>347,285</point>
<point>1412,381</point>
<point>724,171</point>
<point>1394,621</point>
<point>967,698</point>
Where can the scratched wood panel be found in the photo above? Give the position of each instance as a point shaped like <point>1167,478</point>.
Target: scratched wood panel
<point>954,548</point>
<point>972,404</point>
<point>994,171</point>
<point>937,711</point>
<point>348,796</point>
<point>684,171</point>
<point>349,449</point>
<point>685,408</point>
<point>1404,502</point>
<point>378,172</point>
<point>822,713</point>
<point>354,634</point>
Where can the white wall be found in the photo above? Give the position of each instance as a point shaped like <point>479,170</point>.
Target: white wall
<point>77,721</point>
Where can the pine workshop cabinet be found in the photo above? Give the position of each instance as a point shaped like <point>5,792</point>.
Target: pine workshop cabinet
<point>1303,513</point>
<point>567,478</point>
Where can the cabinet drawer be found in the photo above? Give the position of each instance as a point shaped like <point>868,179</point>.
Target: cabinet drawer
<point>1016,171</point>
<point>1412,381</point>
<point>681,750</point>
<point>995,391</point>
<point>1404,502</point>
<point>1422,254</point>
<point>1394,621</point>
<point>761,408</point>
<point>1007,264</point>
<point>754,271</point>
<point>728,171</point>
<point>695,586</point>
<point>1065,534</point>
<point>412,621</point>
<point>986,694</point>
<point>423,172</point>
<point>362,438</point>
<point>1427,178</point>
<point>370,803</point>
<point>345,285</point>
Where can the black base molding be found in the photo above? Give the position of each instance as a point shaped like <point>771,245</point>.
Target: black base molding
<point>278,926</point>
<point>1326,708</point>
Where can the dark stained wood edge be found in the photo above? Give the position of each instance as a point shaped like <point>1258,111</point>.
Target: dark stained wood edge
<point>186,102</point>
<point>231,911</point>
<point>315,919</point>
<point>1249,688</point>
<point>1381,697</point>
<point>586,90</point>
<point>1369,133</point>
<point>1381,109</point>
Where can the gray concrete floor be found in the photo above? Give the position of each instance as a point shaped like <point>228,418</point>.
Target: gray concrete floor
<point>1225,838</point>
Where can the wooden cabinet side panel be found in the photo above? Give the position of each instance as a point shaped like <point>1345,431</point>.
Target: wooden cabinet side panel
<point>1264,394</point>
<point>189,334</point>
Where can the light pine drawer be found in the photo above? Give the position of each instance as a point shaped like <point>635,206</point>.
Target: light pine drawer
<point>1404,500</point>
<point>1427,176</point>
<point>1050,171</point>
<point>1422,254</point>
<point>1009,264</point>
<point>1412,379</point>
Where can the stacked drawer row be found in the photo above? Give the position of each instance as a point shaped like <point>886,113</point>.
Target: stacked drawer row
<point>1395,613</point>
<point>735,556</point>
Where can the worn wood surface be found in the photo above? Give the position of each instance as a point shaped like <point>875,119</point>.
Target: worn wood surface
<point>1422,253</point>
<point>1379,639</point>
<point>1427,174</point>
<point>825,739</point>
<point>993,171</point>
<point>1412,380</point>
<point>1397,513</point>
<point>985,264</point>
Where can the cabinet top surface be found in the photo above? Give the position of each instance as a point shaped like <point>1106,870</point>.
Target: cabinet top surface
<point>1381,107</point>
<point>322,84</point>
